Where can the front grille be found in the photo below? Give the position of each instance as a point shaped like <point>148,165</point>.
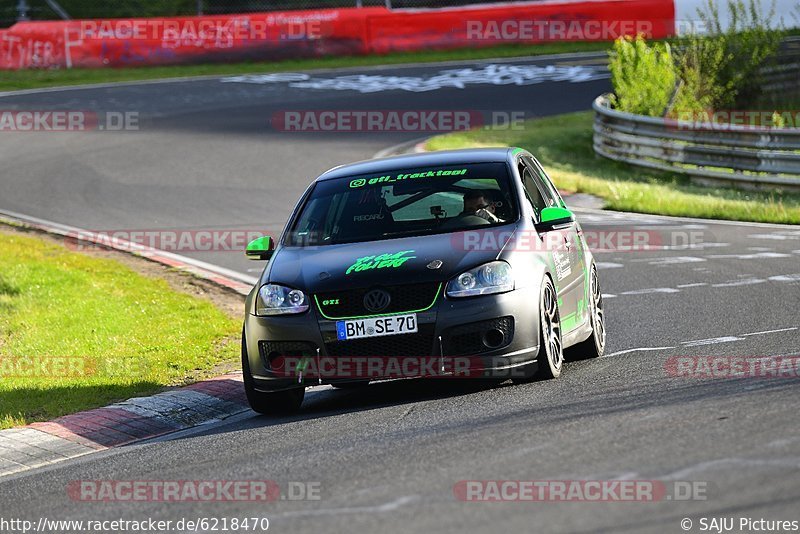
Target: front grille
<point>416,345</point>
<point>273,350</point>
<point>467,339</point>
<point>405,298</point>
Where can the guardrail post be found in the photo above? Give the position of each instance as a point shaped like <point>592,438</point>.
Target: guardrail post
<point>22,11</point>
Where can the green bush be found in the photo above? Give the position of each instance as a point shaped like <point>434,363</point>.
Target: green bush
<point>643,76</point>
<point>723,68</point>
<point>699,89</point>
<point>720,69</point>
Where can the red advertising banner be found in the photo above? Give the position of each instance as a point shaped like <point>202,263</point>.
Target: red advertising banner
<point>324,32</point>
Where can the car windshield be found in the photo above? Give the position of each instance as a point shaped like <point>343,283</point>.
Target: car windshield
<point>401,203</point>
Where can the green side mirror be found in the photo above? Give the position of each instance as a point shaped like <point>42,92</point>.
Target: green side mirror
<point>260,249</point>
<point>554,215</point>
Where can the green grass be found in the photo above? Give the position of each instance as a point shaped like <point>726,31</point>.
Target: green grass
<point>563,144</point>
<point>33,79</point>
<point>132,335</point>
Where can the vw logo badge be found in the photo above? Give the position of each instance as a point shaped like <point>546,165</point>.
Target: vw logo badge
<point>377,300</point>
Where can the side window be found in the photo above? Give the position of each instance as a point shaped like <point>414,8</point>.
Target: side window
<point>551,196</point>
<point>531,191</point>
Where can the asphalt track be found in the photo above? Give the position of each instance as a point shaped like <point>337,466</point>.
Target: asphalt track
<point>387,457</point>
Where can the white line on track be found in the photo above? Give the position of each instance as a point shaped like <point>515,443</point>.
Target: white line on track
<point>381,508</point>
<point>628,215</point>
<point>670,260</point>
<point>639,349</point>
<point>754,256</point>
<point>732,463</point>
<point>786,278</point>
<point>693,246</point>
<point>608,265</point>
<point>770,331</point>
<point>736,283</point>
<point>711,341</point>
<point>777,236</point>
<point>649,290</point>
<point>321,70</point>
<point>737,337</point>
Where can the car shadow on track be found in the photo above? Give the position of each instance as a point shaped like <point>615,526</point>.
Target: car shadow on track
<point>392,393</point>
<point>598,397</point>
<point>330,402</point>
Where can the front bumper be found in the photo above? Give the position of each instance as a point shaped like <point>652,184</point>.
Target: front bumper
<point>453,340</point>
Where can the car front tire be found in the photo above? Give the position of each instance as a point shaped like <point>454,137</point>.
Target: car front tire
<point>551,354</point>
<point>272,403</point>
<point>551,348</point>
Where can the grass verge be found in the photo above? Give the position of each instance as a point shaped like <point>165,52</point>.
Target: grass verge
<point>563,144</point>
<point>34,79</point>
<point>79,330</point>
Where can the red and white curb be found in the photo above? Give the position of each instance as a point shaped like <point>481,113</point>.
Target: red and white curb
<point>123,423</point>
<point>137,419</point>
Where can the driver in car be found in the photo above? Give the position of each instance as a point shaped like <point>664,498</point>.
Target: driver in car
<point>476,203</point>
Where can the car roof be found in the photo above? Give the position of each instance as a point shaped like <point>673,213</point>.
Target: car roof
<point>425,159</point>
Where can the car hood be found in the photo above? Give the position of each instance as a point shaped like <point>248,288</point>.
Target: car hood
<point>392,261</point>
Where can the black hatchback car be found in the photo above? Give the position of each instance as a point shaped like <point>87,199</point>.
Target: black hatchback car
<point>448,264</point>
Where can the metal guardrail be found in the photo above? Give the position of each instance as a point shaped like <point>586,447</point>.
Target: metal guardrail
<point>784,76</point>
<point>742,156</point>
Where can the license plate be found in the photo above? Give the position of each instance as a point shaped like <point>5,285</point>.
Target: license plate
<point>376,326</point>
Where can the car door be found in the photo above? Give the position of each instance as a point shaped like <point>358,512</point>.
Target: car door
<point>567,253</point>
<point>553,244</point>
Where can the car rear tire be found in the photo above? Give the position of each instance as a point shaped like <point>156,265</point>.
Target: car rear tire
<point>272,403</point>
<point>595,345</point>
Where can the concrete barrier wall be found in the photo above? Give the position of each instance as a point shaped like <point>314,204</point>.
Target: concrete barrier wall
<point>326,32</point>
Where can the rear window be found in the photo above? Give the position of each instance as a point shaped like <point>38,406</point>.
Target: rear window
<point>401,203</point>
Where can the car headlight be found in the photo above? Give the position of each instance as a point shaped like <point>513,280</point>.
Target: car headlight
<point>487,279</point>
<point>279,300</point>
